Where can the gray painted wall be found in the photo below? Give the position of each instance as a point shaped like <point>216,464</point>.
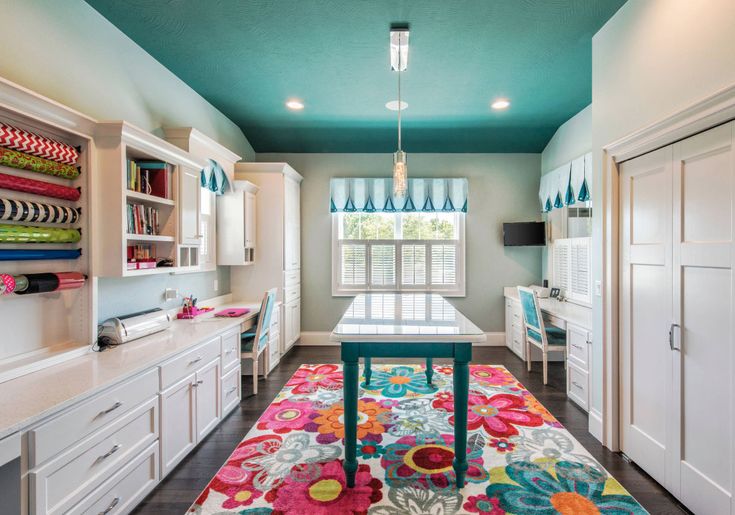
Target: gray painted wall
<point>68,52</point>
<point>503,188</point>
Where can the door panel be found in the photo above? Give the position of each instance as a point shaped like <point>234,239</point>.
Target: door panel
<point>703,307</point>
<point>645,309</point>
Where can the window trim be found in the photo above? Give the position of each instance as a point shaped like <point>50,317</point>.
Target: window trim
<point>339,290</point>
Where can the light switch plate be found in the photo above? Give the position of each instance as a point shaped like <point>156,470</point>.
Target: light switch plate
<point>216,285</point>
<point>170,294</point>
<point>598,288</point>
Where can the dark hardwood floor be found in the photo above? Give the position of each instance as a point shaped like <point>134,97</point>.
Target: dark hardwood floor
<point>176,493</point>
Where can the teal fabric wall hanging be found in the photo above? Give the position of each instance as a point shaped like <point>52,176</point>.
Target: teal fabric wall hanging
<point>214,178</point>
<point>367,195</point>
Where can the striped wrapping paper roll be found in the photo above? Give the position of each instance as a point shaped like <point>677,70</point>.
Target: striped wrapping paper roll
<point>26,211</point>
<point>28,234</point>
<point>11,182</point>
<point>31,143</point>
<point>16,159</point>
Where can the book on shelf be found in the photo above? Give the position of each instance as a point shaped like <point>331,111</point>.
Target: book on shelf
<point>150,177</point>
<point>141,256</point>
<point>143,220</point>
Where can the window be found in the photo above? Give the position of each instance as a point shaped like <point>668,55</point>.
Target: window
<point>402,252</point>
<point>572,272</point>
<point>208,246</point>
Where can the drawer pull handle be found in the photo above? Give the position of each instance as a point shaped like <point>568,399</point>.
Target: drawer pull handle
<point>114,503</point>
<point>575,383</point>
<point>197,360</point>
<point>109,453</point>
<point>227,353</point>
<point>111,408</point>
<point>577,346</point>
<point>197,384</point>
<point>229,391</point>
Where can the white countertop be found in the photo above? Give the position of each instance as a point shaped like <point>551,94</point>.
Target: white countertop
<point>405,318</point>
<point>573,313</point>
<point>32,397</point>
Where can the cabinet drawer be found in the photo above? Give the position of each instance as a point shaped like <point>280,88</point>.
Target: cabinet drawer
<point>230,390</point>
<point>63,481</point>
<point>291,293</point>
<point>183,365</point>
<point>291,277</point>
<point>230,349</point>
<point>578,385</point>
<point>57,434</point>
<point>126,488</point>
<point>274,347</point>
<point>578,349</point>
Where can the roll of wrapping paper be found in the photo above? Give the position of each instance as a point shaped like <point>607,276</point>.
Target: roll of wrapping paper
<point>45,283</point>
<point>7,284</point>
<point>16,159</point>
<point>47,189</point>
<point>38,254</point>
<point>31,234</point>
<point>41,146</point>
<point>27,211</point>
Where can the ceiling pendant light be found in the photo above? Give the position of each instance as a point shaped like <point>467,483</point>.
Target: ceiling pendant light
<point>399,62</point>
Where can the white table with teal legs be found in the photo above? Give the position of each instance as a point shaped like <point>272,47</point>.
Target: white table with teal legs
<point>392,325</point>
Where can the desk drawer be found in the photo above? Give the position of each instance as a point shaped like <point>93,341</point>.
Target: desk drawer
<point>577,346</point>
<point>183,365</point>
<point>578,385</point>
<point>126,488</point>
<point>63,481</point>
<point>230,349</point>
<point>291,293</point>
<point>231,390</point>
<point>57,434</point>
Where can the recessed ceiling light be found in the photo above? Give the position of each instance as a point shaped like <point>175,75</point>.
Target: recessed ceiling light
<point>294,104</point>
<point>393,105</point>
<point>500,104</point>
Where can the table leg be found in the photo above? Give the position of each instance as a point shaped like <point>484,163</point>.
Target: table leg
<point>429,370</point>
<point>461,392</point>
<point>350,388</point>
<point>368,370</point>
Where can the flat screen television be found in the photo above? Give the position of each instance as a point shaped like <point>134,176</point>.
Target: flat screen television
<point>521,234</point>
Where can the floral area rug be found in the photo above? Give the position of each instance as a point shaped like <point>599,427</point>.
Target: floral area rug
<point>521,459</point>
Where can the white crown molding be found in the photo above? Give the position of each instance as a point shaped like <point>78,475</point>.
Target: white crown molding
<point>263,167</point>
<point>709,112</point>
<point>183,137</point>
<point>321,338</point>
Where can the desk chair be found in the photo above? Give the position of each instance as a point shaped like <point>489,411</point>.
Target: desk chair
<point>547,339</point>
<point>253,343</point>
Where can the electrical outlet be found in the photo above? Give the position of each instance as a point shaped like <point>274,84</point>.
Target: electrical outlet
<point>216,285</point>
<point>598,288</point>
<point>170,294</point>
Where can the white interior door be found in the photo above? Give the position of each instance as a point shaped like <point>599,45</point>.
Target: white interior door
<point>645,310</point>
<point>703,306</point>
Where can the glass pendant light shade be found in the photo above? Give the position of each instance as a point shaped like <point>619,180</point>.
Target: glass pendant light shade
<point>400,174</point>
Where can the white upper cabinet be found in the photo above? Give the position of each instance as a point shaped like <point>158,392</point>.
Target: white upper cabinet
<point>292,217</point>
<point>236,225</point>
<point>189,207</point>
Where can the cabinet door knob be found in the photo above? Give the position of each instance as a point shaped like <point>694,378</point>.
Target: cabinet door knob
<point>114,503</point>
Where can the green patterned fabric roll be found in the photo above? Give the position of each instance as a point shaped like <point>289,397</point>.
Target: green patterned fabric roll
<point>29,234</point>
<point>16,159</point>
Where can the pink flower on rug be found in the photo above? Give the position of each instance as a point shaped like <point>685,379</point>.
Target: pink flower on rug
<point>325,492</point>
<point>309,380</point>
<point>483,505</point>
<point>492,375</point>
<point>498,414</point>
<point>234,483</point>
<point>501,445</point>
<point>286,416</point>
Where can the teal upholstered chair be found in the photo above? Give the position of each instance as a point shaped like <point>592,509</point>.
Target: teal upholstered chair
<point>253,343</point>
<point>547,339</point>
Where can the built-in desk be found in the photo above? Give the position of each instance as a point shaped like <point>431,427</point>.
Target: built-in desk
<point>575,319</point>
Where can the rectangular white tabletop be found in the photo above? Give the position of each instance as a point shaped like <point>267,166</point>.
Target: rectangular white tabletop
<point>405,318</point>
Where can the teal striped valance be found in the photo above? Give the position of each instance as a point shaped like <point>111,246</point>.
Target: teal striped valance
<point>214,178</point>
<point>376,195</point>
<point>567,185</point>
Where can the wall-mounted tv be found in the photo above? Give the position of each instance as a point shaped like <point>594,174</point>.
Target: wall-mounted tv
<point>522,234</point>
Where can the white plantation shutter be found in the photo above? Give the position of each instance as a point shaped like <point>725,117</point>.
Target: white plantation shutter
<point>562,249</point>
<point>443,264</point>
<point>579,273</point>
<point>413,265</point>
<point>382,265</point>
<point>354,264</point>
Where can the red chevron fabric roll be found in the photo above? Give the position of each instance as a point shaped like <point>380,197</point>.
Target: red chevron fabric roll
<point>31,143</point>
<point>23,161</point>
<point>11,182</point>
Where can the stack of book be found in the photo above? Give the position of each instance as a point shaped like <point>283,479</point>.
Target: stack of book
<point>150,177</point>
<point>142,219</point>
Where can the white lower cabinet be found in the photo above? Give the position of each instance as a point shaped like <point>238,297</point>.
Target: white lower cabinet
<point>291,324</point>
<point>106,453</point>
<point>579,343</point>
<point>515,332</point>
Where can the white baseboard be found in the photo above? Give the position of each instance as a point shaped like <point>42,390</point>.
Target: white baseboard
<point>320,338</point>
<point>595,424</point>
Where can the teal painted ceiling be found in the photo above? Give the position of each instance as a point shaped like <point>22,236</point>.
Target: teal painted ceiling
<point>248,57</point>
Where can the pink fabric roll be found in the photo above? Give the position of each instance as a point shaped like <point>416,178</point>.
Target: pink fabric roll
<point>11,182</point>
<point>70,280</point>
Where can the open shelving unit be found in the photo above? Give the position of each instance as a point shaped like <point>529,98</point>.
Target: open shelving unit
<point>117,143</point>
<point>48,328</point>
